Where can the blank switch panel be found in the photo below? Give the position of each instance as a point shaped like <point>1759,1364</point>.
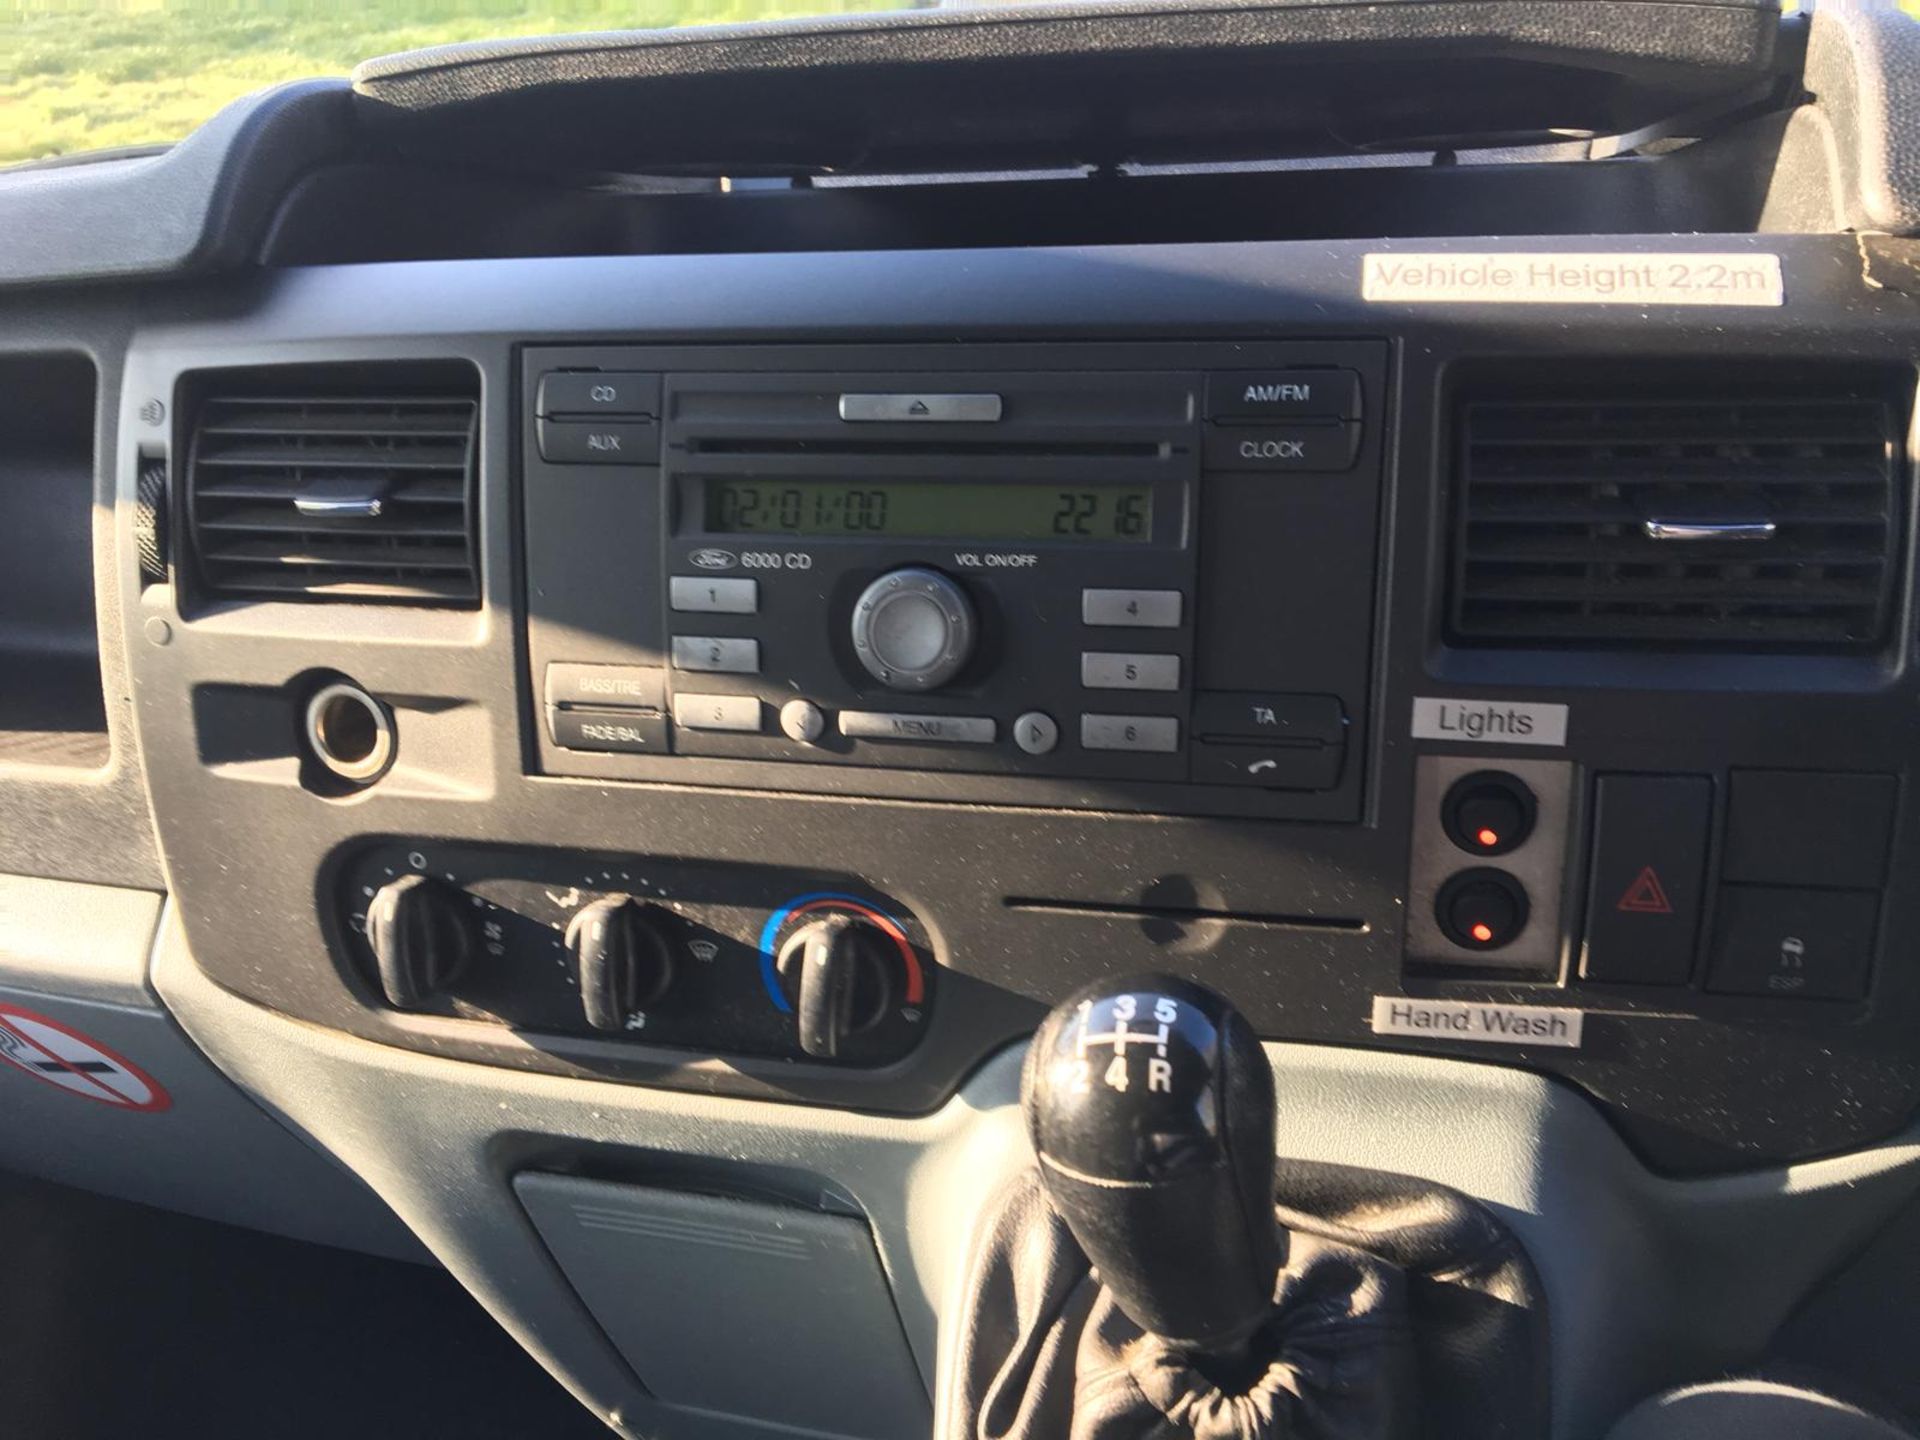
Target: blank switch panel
<point>737,1307</point>
<point>1474,899</point>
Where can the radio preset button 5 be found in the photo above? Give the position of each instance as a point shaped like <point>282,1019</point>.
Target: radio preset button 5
<point>913,629</point>
<point>698,595</point>
<point>716,654</point>
<point>1106,670</point>
<point>1036,732</point>
<point>1131,609</point>
<point>1147,734</point>
<point>717,712</point>
<point>935,729</point>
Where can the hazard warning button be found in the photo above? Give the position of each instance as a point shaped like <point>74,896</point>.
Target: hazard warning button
<point>1644,890</point>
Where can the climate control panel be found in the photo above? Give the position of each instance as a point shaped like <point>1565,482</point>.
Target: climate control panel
<point>721,960</point>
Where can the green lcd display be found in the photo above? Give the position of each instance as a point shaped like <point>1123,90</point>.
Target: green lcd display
<point>931,510</point>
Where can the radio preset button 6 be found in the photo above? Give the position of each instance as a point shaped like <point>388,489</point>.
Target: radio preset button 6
<point>913,629</point>
<point>935,729</point>
<point>698,595</point>
<point>716,654</point>
<point>1148,734</point>
<point>1106,670</point>
<point>717,712</point>
<point>1132,609</point>
<point>1036,732</point>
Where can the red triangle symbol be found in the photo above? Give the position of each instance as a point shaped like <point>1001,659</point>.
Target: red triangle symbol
<point>1646,895</point>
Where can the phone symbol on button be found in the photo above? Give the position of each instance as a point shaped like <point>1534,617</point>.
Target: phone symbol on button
<point>1257,766</point>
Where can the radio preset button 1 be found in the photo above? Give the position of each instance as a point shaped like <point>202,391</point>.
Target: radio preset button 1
<point>803,721</point>
<point>716,654</point>
<point>625,731</point>
<point>643,687</point>
<point>717,712</point>
<point>1131,609</point>
<point>1147,734</point>
<point>933,729</point>
<point>1036,732</point>
<point>698,595</point>
<point>913,629</point>
<point>1107,670</point>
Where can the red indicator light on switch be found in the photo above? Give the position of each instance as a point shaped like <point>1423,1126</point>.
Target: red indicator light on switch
<point>1488,838</point>
<point>1482,932</point>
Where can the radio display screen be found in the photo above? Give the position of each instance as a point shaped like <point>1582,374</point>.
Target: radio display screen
<point>931,510</point>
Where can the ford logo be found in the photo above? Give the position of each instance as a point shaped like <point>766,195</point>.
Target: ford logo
<point>714,559</point>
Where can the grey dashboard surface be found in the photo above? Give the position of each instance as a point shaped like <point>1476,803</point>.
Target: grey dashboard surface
<point>1650,1282</point>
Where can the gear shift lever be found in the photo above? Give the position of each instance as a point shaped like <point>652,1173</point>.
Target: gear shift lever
<point>1150,1106</point>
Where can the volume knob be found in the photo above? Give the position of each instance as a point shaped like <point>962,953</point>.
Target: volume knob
<point>913,629</point>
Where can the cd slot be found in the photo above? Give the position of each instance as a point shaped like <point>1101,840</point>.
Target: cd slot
<point>994,449</point>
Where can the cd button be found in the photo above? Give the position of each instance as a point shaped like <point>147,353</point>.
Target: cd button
<point>599,393</point>
<point>1146,734</point>
<point>716,654</point>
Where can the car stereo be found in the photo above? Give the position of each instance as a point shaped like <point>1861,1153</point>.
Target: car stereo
<point>1136,577</point>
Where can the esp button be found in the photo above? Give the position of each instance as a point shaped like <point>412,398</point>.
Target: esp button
<point>1645,887</point>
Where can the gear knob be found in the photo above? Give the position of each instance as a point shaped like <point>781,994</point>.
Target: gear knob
<point>1150,1106</point>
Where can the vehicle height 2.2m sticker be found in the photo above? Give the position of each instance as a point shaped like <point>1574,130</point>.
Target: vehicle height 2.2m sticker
<point>62,1057</point>
<point>1610,278</point>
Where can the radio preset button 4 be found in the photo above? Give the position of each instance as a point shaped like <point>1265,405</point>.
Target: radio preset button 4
<point>934,729</point>
<point>1131,609</point>
<point>1107,670</point>
<point>716,654</point>
<point>698,595</point>
<point>1146,734</point>
<point>739,713</point>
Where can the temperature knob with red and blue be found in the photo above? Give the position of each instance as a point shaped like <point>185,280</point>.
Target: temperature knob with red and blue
<point>839,965</point>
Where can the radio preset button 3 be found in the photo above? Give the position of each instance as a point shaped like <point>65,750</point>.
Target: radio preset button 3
<point>913,629</point>
<point>1131,609</point>
<point>1107,670</point>
<point>934,729</point>
<point>1146,734</point>
<point>717,712</point>
<point>1036,732</point>
<point>699,595</point>
<point>716,654</point>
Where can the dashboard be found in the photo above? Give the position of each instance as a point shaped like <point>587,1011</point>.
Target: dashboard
<point>668,694</point>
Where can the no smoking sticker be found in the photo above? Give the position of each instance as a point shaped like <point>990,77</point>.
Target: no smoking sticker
<point>49,1051</point>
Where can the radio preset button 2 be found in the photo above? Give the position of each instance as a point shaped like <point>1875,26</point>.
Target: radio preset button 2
<point>1146,734</point>
<point>1036,732</point>
<point>1107,670</point>
<point>803,721</point>
<point>913,629</point>
<point>699,595</point>
<point>933,729</point>
<point>1131,609</point>
<point>716,654</point>
<point>739,713</point>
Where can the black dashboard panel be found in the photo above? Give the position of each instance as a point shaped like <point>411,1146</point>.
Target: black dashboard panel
<point>1023,894</point>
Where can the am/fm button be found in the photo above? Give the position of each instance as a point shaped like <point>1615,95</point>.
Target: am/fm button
<point>1283,395</point>
<point>1325,447</point>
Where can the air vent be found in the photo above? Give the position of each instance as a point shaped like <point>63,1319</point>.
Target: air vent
<point>1757,522</point>
<point>335,497</point>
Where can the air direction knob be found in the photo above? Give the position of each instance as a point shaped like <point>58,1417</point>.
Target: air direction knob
<point>913,629</point>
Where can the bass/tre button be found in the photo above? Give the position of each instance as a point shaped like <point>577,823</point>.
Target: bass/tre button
<point>913,629</point>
